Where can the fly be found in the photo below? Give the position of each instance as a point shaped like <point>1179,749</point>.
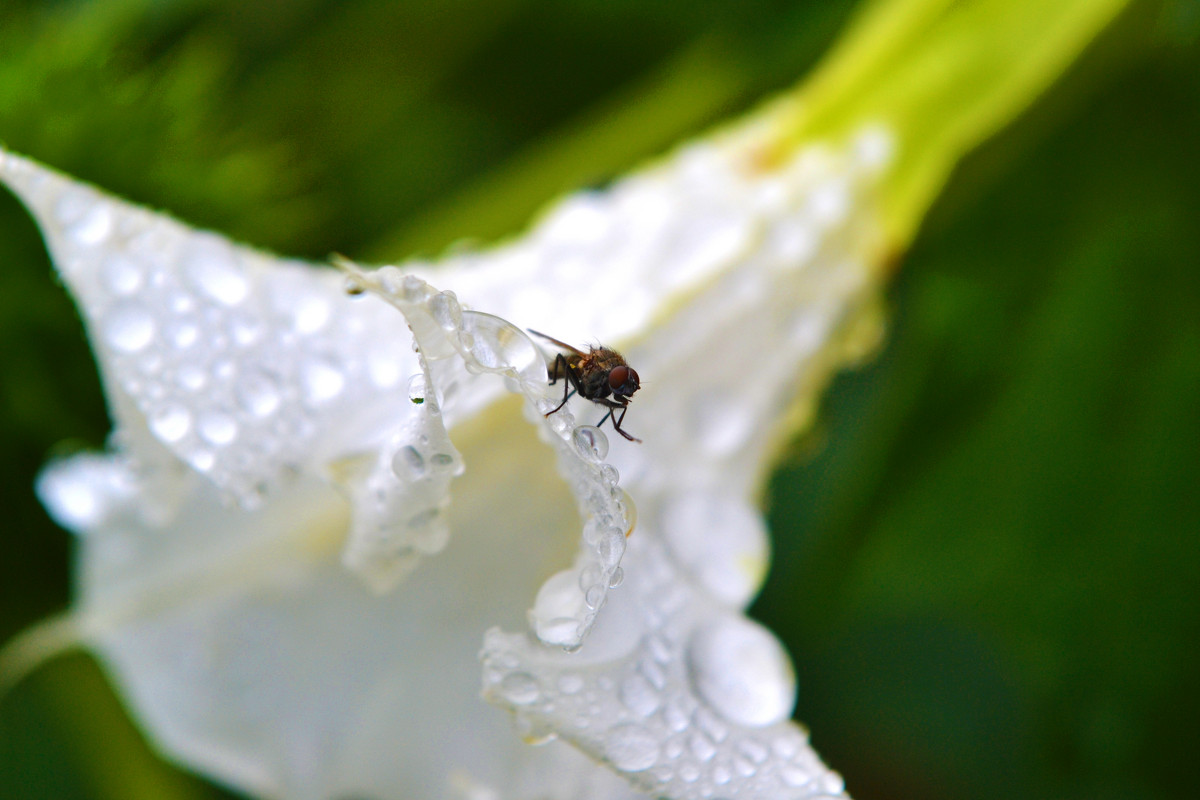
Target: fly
<point>600,375</point>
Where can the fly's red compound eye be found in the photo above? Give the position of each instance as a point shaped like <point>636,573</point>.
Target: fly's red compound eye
<point>617,377</point>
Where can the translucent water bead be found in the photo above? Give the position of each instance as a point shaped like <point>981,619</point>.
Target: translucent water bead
<point>496,344</point>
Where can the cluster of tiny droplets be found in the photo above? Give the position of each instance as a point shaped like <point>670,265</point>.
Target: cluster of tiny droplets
<point>238,368</point>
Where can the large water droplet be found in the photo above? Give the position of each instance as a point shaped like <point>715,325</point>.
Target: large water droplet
<point>631,748</point>
<point>128,327</point>
<point>171,424</point>
<point>590,442</point>
<point>497,344</point>
<point>739,668</point>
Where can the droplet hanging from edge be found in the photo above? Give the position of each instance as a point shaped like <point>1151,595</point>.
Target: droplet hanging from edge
<point>416,388</point>
<point>590,442</point>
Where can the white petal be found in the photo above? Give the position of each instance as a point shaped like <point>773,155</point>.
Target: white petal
<point>249,650</point>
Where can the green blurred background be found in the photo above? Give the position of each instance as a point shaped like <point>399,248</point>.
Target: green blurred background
<point>986,558</point>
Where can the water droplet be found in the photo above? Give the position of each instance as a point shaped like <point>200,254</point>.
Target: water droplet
<point>590,442</point>
<point>753,750</point>
<point>246,329</point>
<point>322,381</point>
<point>497,344</point>
<point>183,333</point>
<point>171,424</point>
<point>202,460</point>
<point>593,596</point>
<point>611,547</point>
<point>520,688</point>
<point>442,462</point>
<point>739,668</point>
<point>446,311</point>
<point>258,393</point>
<point>310,313</point>
<point>191,377</point>
<point>794,776</point>
<point>94,227</point>
<point>618,577</point>
<point>701,747</point>
<point>721,775</point>
<point>128,327</point>
<point>570,683</point>
<point>689,773</point>
<point>212,267</point>
<point>353,286</point>
<point>609,474</point>
<point>121,274</point>
<point>416,388</point>
<point>408,463</point>
<point>217,428</point>
<point>639,696</point>
<point>631,748</point>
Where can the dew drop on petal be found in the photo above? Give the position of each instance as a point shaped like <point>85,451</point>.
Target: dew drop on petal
<point>639,696</point>
<point>631,748</point>
<point>258,393</point>
<point>128,327</point>
<point>498,344</point>
<point>94,227</point>
<point>590,442</point>
<point>408,463</point>
<point>442,462</point>
<point>611,547</point>
<point>446,311</point>
<point>213,269</point>
<point>322,381</point>
<point>416,388</point>
<point>171,424</point>
<point>183,333</point>
<point>192,378</point>
<point>570,683</point>
<point>520,688</point>
<point>121,274</point>
<point>217,428</point>
<point>741,671</point>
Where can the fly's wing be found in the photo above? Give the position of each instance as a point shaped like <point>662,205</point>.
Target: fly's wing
<point>563,345</point>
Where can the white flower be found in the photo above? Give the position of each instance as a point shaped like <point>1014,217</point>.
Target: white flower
<point>306,527</point>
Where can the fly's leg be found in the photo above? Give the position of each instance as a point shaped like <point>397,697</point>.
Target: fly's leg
<point>563,369</point>
<point>617,425</point>
<point>616,421</point>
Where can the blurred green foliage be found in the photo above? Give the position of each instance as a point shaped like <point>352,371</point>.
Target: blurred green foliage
<point>987,565</point>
